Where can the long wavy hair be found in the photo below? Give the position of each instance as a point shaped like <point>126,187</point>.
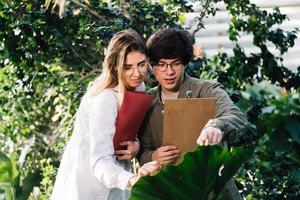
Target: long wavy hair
<point>120,45</point>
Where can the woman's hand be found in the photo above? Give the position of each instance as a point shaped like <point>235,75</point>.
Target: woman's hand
<point>131,150</point>
<point>148,169</point>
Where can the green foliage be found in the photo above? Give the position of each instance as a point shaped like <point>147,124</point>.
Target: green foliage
<point>202,172</point>
<point>273,171</point>
<point>250,19</point>
<point>241,69</point>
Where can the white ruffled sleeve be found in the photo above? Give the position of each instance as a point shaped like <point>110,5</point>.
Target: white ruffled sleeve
<point>102,111</point>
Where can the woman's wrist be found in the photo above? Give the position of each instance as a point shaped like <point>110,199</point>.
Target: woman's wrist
<point>132,181</point>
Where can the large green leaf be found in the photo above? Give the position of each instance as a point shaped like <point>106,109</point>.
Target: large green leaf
<point>201,172</point>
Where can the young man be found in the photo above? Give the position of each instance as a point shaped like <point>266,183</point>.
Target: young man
<point>170,50</point>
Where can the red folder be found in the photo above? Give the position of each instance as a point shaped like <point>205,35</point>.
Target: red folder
<point>131,114</point>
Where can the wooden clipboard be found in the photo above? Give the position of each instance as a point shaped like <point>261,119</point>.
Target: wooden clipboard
<point>183,121</point>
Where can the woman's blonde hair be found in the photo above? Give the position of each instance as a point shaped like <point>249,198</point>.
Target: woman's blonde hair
<point>120,45</point>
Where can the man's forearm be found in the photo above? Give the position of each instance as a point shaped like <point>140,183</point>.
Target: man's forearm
<point>231,125</point>
<point>145,156</point>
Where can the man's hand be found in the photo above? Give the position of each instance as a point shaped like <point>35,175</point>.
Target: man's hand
<point>132,148</point>
<point>166,154</point>
<point>210,135</point>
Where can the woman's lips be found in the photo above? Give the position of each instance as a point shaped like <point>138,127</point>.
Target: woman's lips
<point>136,80</point>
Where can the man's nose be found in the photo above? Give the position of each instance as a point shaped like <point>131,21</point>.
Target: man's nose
<point>170,70</point>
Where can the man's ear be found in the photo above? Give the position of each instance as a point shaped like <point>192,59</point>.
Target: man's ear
<point>184,68</point>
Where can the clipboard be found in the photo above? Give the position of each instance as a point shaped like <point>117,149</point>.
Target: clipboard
<point>130,116</point>
<point>183,121</point>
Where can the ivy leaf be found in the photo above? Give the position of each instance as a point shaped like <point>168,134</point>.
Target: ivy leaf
<point>201,172</point>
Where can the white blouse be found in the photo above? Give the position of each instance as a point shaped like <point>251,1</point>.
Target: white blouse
<point>89,169</point>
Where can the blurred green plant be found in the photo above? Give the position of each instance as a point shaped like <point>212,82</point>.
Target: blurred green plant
<point>7,177</point>
<point>11,186</point>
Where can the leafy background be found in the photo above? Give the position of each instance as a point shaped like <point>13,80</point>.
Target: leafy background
<point>47,61</point>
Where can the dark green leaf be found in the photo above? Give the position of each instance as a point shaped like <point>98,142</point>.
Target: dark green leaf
<point>30,181</point>
<point>293,127</point>
<point>279,140</point>
<point>203,171</point>
<point>295,173</point>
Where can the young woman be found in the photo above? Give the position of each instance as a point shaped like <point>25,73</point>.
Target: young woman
<point>90,168</point>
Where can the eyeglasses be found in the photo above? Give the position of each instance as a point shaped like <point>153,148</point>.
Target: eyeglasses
<point>162,67</point>
<point>142,68</point>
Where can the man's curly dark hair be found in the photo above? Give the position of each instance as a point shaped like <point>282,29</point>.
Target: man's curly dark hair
<point>170,43</point>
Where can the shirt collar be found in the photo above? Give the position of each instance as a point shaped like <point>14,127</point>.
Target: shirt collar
<point>185,86</point>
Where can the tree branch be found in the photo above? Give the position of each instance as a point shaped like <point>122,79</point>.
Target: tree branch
<point>87,8</point>
<point>200,18</point>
